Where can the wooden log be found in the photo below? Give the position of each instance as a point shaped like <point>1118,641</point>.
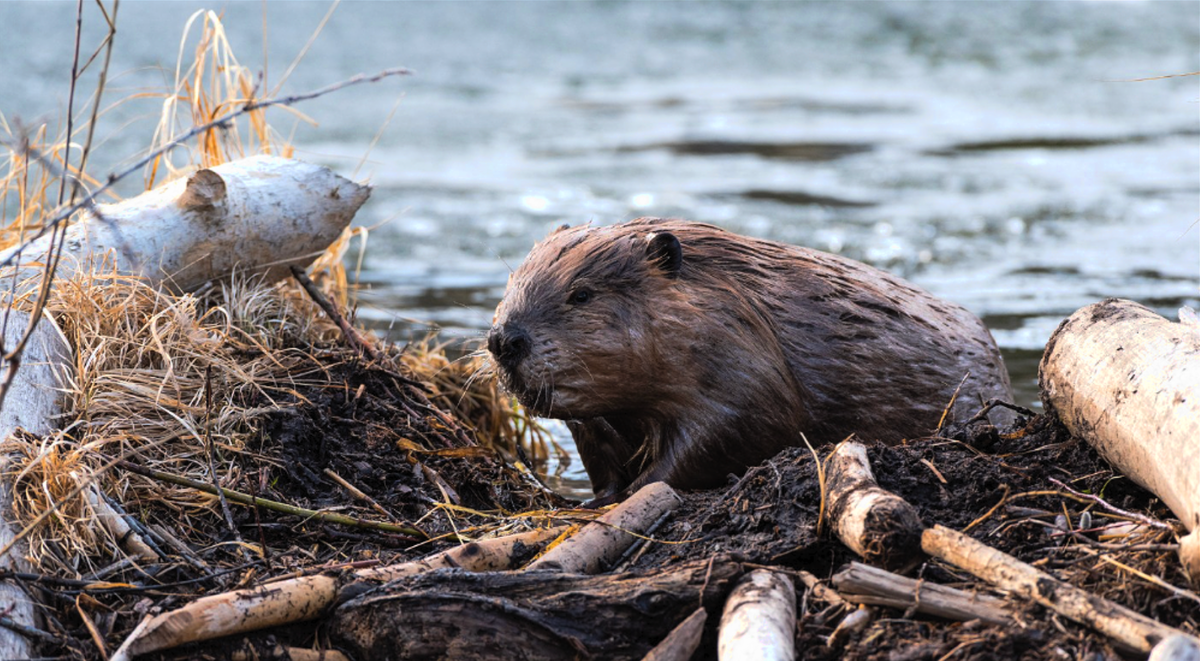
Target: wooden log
<point>1176,648</point>
<point>261,214</point>
<point>308,597</point>
<point>602,541</point>
<point>1128,382</point>
<point>864,584</point>
<point>759,621</point>
<point>1129,629</point>
<point>681,643</point>
<point>454,615</point>
<point>881,527</point>
<point>34,403</point>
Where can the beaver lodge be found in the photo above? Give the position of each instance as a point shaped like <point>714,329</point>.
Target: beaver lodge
<point>206,463</point>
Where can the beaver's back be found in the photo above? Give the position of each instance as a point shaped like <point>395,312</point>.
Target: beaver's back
<point>874,354</point>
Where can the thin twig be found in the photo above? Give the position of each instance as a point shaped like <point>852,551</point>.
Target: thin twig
<point>284,508</point>
<point>352,337</point>
<point>1140,518</point>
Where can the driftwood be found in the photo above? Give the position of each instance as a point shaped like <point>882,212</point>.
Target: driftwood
<point>308,597</point>
<point>1176,648</point>
<point>1128,382</point>
<point>881,527</point>
<point>450,614</point>
<point>1129,629</point>
<point>759,621</point>
<point>602,542</point>
<point>34,403</point>
<point>256,215</point>
<point>863,584</point>
<point>681,643</point>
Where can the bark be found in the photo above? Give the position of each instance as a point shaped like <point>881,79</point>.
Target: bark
<point>759,622</point>
<point>601,543</point>
<point>528,615</point>
<point>1129,629</point>
<point>681,643</point>
<point>1128,382</point>
<point>881,527</point>
<point>308,597</point>
<point>863,584</point>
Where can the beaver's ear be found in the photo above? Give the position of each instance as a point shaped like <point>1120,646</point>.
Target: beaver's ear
<point>664,250</point>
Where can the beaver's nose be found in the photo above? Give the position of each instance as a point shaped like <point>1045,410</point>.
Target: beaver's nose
<point>509,344</point>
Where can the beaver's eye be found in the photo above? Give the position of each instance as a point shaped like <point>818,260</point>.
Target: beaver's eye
<point>580,296</point>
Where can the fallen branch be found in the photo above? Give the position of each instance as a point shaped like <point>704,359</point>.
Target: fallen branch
<point>528,615</point>
<point>308,597</point>
<point>1128,382</point>
<point>1129,629</point>
<point>881,527</point>
<point>601,542</point>
<point>759,622</point>
<point>863,584</point>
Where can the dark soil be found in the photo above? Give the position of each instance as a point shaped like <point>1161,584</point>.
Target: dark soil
<point>769,517</point>
<point>376,430</point>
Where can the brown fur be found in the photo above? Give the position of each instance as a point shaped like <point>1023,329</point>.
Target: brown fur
<point>689,370</point>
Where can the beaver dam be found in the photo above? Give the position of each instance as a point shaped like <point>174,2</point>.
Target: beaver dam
<point>351,462</point>
<point>205,462</point>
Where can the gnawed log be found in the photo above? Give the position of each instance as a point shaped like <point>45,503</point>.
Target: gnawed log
<point>455,615</point>
<point>864,584</point>
<point>1129,629</point>
<point>681,643</point>
<point>759,621</point>
<point>1128,382</point>
<point>602,541</point>
<point>261,214</point>
<point>881,527</point>
<point>308,597</point>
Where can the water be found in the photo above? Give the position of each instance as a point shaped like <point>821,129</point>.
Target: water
<point>994,152</point>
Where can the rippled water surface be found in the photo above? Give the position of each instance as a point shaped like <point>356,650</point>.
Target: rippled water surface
<point>997,153</point>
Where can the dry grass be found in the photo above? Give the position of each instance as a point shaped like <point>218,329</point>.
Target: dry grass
<point>181,382</point>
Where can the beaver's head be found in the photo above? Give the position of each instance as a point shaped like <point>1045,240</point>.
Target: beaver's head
<point>587,324</point>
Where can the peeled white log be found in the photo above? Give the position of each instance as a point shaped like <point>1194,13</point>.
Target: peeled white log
<point>881,527</point>
<point>256,215</point>
<point>1128,382</point>
<point>602,541</point>
<point>34,403</point>
<point>1176,648</point>
<point>759,622</point>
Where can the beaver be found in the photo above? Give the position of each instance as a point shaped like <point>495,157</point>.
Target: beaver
<point>681,352</point>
